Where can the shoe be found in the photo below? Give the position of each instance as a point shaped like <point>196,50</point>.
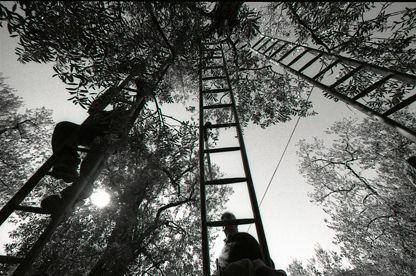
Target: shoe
<point>68,175</point>
<point>51,203</point>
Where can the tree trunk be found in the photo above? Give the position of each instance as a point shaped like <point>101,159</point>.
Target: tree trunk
<point>119,252</point>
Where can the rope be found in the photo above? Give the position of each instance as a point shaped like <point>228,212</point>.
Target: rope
<point>281,157</point>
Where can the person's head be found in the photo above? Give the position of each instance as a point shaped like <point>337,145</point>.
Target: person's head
<point>230,229</point>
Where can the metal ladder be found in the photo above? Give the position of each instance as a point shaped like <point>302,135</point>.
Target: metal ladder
<point>286,54</point>
<point>212,58</point>
<point>98,155</point>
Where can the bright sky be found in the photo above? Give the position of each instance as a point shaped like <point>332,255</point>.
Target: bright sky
<point>293,225</point>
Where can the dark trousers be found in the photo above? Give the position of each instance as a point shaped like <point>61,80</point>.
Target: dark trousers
<point>68,158</point>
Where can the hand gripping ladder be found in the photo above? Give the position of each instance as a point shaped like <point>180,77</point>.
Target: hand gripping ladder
<point>97,153</point>
<point>212,58</point>
<point>282,52</point>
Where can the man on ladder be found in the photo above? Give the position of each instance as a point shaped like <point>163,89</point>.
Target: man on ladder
<point>242,254</point>
<point>102,124</point>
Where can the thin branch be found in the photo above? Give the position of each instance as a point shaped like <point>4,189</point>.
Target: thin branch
<point>347,190</point>
<point>377,218</point>
<point>171,205</point>
<point>254,69</point>
<point>17,126</point>
<point>302,23</point>
<point>4,183</point>
<point>149,8</point>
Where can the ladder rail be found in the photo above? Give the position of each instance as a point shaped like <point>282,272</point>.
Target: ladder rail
<point>252,193</point>
<point>204,228</point>
<point>371,67</point>
<point>405,131</point>
<point>204,150</point>
<point>31,183</point>
<point>98,155</point>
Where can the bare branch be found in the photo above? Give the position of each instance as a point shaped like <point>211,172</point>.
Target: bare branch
<point>17,126</point>
<point>149,8</point>
<point>302,23</point>
<point>377,218</point>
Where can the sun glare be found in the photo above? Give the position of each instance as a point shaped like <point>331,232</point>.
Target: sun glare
<point>100,198</point>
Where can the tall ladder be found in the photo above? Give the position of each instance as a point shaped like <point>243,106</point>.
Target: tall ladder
<point>288,54</point>
<point>212,58</point>
<point>98,154</point>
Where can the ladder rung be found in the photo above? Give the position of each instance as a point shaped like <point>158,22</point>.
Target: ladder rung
<point>216,106</point>
<point>298,57</point>
<point>264,44</point>
<point>326,69</point>
<point>222,125</point>
<point>211,49</point>
<point>347,76</point>
<point>213,42</point>
<point>212,57</point>
<point>31,209</point>
<point>401,105</point>
<point>213,67</point>
<point>288,53</point>
<point>270,47</point>
<point>214,78</point>
<point>10,259</point>
<point>222,150</point>
<point>261,39</point>
<point>131,89</point>
<point>310,62</point>
<point>372,87</point>
<point>224,181</point>
<point>217,90</point>
<point>83,149</point>
<point>230,222</point>
<point>278,50</point>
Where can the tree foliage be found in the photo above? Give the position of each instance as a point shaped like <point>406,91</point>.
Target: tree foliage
<point>327,263</point>
<point>24,136</point>
<point>95,44</point>
<point>364,183</point>
<point>153,220</point>
<point>374,32</point>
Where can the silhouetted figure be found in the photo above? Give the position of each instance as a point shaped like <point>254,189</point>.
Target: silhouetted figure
<point>224,17</point>
<point>68,159</point>
<point>242,254</point>
<point>108,126</point>
<point>229,230</point>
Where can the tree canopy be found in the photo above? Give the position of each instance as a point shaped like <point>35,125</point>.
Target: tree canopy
<point>24,136</point>
<point>95,44</point>
<point>153,222</point>
<point>366,186</point>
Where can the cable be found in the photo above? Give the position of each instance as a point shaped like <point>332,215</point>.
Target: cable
<point>281,157</point>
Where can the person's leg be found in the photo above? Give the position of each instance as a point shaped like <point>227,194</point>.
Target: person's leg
<point>67,161</point>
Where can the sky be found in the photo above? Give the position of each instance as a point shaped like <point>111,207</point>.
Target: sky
<point>293,225</point>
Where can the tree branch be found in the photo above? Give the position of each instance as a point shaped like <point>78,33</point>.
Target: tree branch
<point>149,8</point>
<point>254,69</point>
<point>347,190</point>
<point>375,219</point>
<point>303,24</point>
<point>17,126</point>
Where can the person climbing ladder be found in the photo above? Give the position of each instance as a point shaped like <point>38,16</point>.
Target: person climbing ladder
<point>102,126</point>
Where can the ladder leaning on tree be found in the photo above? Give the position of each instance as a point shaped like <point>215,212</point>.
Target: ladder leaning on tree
<point>285,54</point>
<point>213,67</point>
<point>98,152</point>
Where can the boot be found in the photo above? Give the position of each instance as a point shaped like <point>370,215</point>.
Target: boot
<point>51,203</point>
<point>66,166</point>
<point>67,174</point>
